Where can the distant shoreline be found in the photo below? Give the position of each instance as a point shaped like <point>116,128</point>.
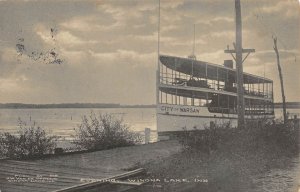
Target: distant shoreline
<point>69,105</point>
<point>289,105</point>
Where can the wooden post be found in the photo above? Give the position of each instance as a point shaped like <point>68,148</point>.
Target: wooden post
<point>147,135</point>
<point>211,125</point>
<point>281,80</point>
<point>296,122</point>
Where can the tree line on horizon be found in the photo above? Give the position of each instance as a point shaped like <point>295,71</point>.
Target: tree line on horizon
<point>70,105</point>
<point>102,105</point>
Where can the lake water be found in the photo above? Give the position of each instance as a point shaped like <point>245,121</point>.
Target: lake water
<point>63,121</point>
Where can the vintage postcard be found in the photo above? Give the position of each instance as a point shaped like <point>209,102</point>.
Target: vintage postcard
<point>149,95</point>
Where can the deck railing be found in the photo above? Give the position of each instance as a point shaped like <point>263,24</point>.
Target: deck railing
<point>212,84</point>
<point>234,111</point>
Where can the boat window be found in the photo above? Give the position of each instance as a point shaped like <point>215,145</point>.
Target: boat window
<point>202,102</point>
<point>197,102</point>
<point>189,101</point>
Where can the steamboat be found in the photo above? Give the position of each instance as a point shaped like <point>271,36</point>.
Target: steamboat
<point>193,94</point>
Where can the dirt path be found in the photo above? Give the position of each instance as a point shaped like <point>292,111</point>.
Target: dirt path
<point>69,170</point>
<point>119,158</point>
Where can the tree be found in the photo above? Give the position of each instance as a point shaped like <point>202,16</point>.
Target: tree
<point>281,81</point>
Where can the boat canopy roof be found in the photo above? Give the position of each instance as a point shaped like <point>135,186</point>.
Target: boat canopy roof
<point>197,68</point>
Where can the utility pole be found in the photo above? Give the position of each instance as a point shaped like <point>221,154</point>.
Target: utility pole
<point>238,50</point>
<point>281,81</point>
<point>239,65</point>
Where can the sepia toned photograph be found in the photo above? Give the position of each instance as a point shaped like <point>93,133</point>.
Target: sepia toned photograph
<point>149,95</point>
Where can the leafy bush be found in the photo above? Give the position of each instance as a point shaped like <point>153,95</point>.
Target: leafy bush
<point>31,141</point>
<point>205,140</point>
<point>104,132</point>
<point>257,135</point>
<point>230,159</point>
<point>284,137</point>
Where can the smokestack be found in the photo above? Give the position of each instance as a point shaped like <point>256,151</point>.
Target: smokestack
<point>228,64</point>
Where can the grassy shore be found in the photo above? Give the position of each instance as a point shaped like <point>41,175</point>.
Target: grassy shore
<point>232,162</point>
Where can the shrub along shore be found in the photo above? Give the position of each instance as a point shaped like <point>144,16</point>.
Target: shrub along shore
<point>95,132</point>
<point>223,159</point>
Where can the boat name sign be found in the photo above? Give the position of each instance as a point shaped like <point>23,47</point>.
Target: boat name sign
<point>181,109</point>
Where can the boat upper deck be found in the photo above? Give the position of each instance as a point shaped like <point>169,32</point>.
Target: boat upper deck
<point>194,79</point>
<point>201,69</point>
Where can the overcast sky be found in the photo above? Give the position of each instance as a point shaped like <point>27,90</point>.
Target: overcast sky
<point>108,48</point>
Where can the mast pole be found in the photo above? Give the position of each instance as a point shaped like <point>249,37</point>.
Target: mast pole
<point>194,41</point>
<point>158,33</point>
<point>158,52</point>
<point>239,66</point>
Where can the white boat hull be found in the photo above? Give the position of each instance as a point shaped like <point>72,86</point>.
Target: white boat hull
<point>176,118</point>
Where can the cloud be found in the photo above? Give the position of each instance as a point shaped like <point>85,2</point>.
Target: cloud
<point>44,33</point>
<point>169,28</point>
<point>228,34</point>
<point>187,43</point>
<point>215,20</point>
<point>95,22</point>
<point>8,61</point>
<point>82,24</point>
<point>110,47</point>
<point>213,57</point>
<point>8,85</point>
<point>287,8</point>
